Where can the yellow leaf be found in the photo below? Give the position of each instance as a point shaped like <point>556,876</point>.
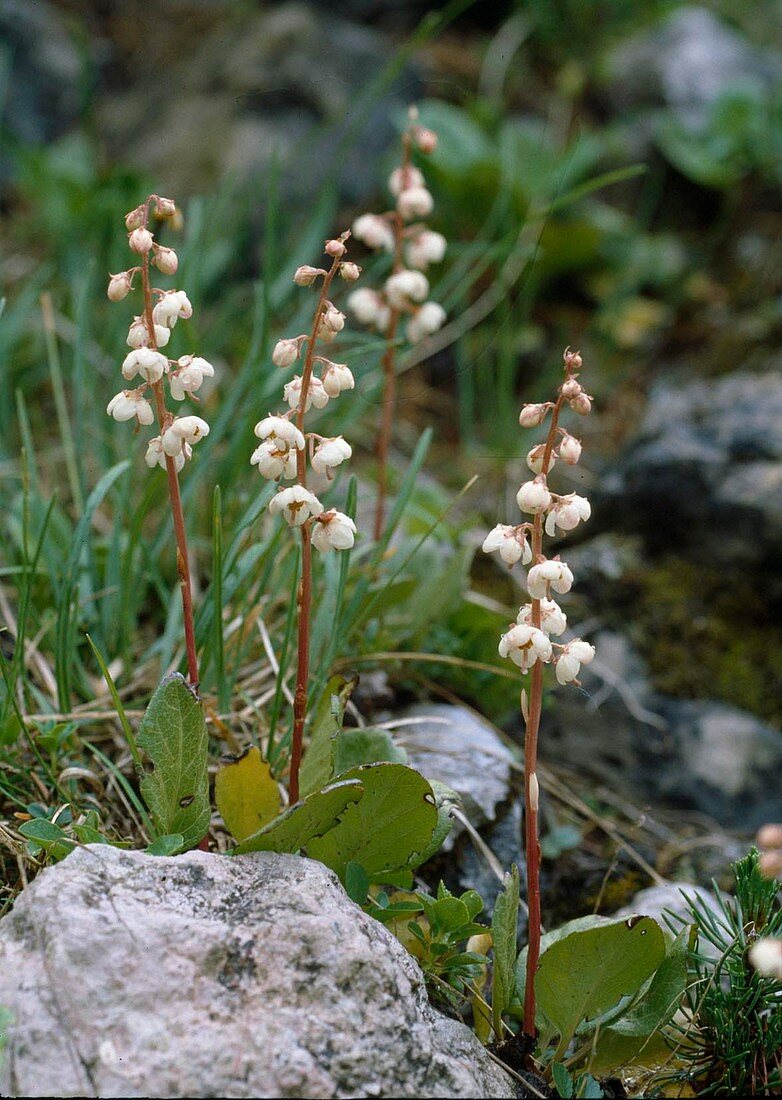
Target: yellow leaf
<point>246,794</point>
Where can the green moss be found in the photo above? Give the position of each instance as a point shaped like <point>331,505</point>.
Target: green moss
<point>705,638</point>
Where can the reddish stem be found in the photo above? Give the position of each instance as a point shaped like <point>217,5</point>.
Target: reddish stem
<point>532,726</point>
<point>183,564</point>
<point>305,585</point>
<point>389,365</point>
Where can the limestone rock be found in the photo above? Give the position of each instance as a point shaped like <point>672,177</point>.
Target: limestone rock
<point>205,975</point>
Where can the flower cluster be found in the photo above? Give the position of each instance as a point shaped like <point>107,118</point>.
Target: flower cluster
<point>414,246</point>
<point>149,332</point>
<point>529,639</point>
<point>285,446</point>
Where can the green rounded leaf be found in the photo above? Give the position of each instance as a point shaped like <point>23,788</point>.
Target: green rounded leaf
<point>305,821</point>
<point>246,793</point>
<point>387,829</point>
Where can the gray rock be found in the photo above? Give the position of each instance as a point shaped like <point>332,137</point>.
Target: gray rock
<point>697,755</point>
<point>686,64</point>
<point>202,975</point>
<point>459,748</point>
<point>705,470</point>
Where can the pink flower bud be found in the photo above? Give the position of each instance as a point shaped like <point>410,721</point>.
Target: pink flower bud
<point>119,286</point>
<point>135,219</point>
<point>571,388</point>
<point>426,140</point>
<point>166,259</point>
<point>533,415</point>
<point>140,240</point>
<point>306,275</point>
<point>165,208</point>
<point>335,248</point>
<point>581,404</point>
<point>349,272</point>
<point>572,359</point>
<point>570,450</point>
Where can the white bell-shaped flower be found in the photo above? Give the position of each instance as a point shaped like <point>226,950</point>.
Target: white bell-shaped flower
<point>331,322</point>
<point>525,645</point>
<point>336,378</point>
<point>274,461</point>
<point>414,202</point>
<point>295,504</point>
<point>156,456</point>
<point>511,542</point>
<point>366,305</point>
<point>404,177</point>
<point>333,531</point>
<point>553,619</point>
<point>533,496</point>
<point>191,372</point>
<point>138,334</point>
<point>425,321</point>
<point>284,432</point>
<point>182,430</point>
<point>427,247</point>
<point>405,287</point>
<point>171,307</point>
<point>329,454</point>
<point>119,286</point>
<point>151,365</point>
<point>549,574</point>
<point>374,231</point>
<point>573,656</point>
<point>567,512</point>
<point>129,404</point>
<point>317,395</point>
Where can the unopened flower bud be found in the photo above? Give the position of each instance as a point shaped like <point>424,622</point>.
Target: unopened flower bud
<point>374,231</point>
<point>414,202</point>
<point>349,272</point>
<point>770,863</point>
<point>535,459</point>
<point>285,353</point>
<point>140,240</point>
<point>306,275</point>
<point>165,208</point>
<point>332,321</point>
<point>403,178</point>
<point>570,450</point>
<point>166,260</point>
<point>119,286</point>
<point>770,836</point>
<point>405,287</point>
<point>533,415</point>
<point>335,248</point>
<point>135,219</point>
<point>571,388</point>
<point>426,140</point>
<point>572,359</point>
<point>533,496</point>
<point>581,405</point>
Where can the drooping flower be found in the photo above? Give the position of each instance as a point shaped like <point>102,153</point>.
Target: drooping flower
<point>188,378</point>
<point>573,656</point>
<point>549,574</point>
<point>553,619</point>
<point>333,531</point>
<point>511,542</point>
<point>317,394</point>
<point>129,404</point>
<point>525,645</point>
<point>425,321</point>
<point>183,430</point>
<point>567,512</point>
<point>329,454</point>
<point>172,306</point>
<point>295,504</point>
<point>151,365</point>
<point>533,496</point>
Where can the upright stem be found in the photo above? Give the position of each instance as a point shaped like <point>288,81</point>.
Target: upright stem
<point>305,585</point>
<point>183,562</point>
<point>532,726</point>
<point>389,366</point>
